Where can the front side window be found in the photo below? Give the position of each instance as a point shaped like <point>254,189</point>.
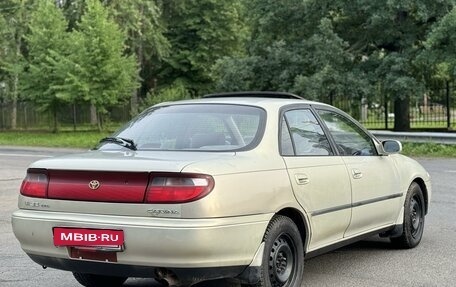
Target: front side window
<point>213,127</point>
<point>349,138</point>
<point>304,133</point>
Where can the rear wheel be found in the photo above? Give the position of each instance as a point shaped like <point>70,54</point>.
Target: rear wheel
<point>283,259</point>
<point>414,212</point>
<point>93,280</point>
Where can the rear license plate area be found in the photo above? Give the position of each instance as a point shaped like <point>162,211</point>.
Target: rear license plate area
<point>90,244</point>
<point>92,254</point>
<point>69,236</point>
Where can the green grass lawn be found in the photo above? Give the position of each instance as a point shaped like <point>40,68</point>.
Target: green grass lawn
<point>429,150</point>
<point>88,139</point>
<point>82,139</point>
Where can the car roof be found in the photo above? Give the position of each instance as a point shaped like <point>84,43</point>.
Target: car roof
<point>261,99</point>
<point>258,94</point>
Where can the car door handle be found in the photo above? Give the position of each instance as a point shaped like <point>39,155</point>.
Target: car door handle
<point>357,174</point>
<point>302,179</point>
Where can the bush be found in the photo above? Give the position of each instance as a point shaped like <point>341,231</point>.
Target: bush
<point>177,91</point>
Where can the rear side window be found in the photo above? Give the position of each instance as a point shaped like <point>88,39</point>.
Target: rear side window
<point>302,135</point>
<point>214,127</point>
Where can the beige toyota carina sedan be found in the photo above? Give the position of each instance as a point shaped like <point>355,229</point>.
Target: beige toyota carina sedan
<point>237,185</point>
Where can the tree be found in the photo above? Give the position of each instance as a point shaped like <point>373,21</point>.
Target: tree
<point>200,33</point>
<point>3,54</point>
<point>15,20</point>
<point>73,10</point>
<point>327,48</point>
<point>441,45</point>
<point>330,71</point>
<point>387,37</point>
<point>102,74</point>
<point>292,50</point>
<point>290,21</point>
<point>142,23</point>
<point>48,46</point>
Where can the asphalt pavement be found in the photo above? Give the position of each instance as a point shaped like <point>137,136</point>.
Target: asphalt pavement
<point>367,263</point>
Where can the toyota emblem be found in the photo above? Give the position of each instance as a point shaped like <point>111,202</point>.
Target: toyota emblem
<point>94,184</point>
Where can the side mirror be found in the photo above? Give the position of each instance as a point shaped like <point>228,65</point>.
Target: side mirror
<point>392,146</point>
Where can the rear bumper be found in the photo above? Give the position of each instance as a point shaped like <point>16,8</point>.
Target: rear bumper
<point>150,243</point>
<point>180,276</point>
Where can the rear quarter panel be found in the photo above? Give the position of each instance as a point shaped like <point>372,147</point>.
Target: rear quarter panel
<point>249,183</point>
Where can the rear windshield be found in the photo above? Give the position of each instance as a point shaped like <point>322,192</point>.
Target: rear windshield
<point>201,127</point>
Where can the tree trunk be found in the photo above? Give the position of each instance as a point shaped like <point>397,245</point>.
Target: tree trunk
<point>74,117</point>
<point>100,122</point>
<point>135,94</point>
<point>93,115</point>
<point>18,43</point>
<point>140,54</point>
<point>14,100</point>
<point>15,92</point>
<point>54,116</point>
<point>134,103</point>
<point>402,114</point>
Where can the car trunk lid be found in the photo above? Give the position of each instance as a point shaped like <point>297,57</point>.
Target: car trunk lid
<point>128,161</point>
<point>116,177</point>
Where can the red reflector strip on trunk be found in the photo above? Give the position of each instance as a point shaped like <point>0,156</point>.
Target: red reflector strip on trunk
<point>99,186</point>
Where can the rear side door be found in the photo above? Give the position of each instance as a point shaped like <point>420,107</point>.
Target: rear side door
<point>318,176</point>
<point>374,179</point>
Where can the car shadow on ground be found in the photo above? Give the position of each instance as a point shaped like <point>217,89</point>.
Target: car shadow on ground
<point>371,245</point>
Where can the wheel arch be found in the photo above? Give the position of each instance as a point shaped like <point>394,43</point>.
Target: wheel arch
<point>300,221</point>
<point>424,189</point>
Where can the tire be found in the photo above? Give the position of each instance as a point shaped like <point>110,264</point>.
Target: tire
<point>413,226</point>
<point>92,280</point>
<point>283,258</point>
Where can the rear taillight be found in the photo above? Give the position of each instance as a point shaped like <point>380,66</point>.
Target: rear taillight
<point>178,188</point>
<point>35,184</point>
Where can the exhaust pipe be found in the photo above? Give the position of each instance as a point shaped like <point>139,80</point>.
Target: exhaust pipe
<point>166,277</point>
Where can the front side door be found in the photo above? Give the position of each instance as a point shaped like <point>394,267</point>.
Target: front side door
<point>319,178</point>
<point>376,196</point>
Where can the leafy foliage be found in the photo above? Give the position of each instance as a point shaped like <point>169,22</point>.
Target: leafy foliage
<point>4,52</point>
<point>86,64</point>
<point>314,63</point>
<point>142,24</point>
<point>12,29</point>
<point>103,75</point>
<point>199,36</point>
<point>387,38</point>
<point>110,52</point>
<point>325,49</point>
<point>175,92</point>
<point>141,20</point>
<point>14,17</point>
<point>441,45</point>
<point>47,42</point>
